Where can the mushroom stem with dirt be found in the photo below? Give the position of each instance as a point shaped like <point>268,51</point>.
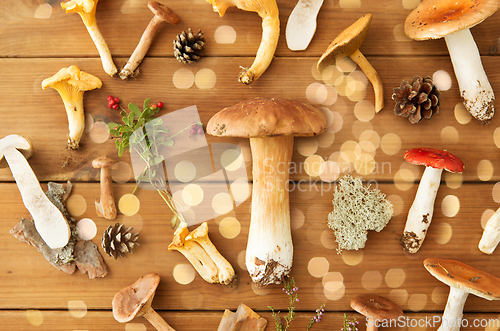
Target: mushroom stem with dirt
<point>491,234</point>
<point>71,83</point>
<point>434,19</point>
<point>87,9</point>
<point>268,11</point>
<point>270,124</point>
<point>135,300</point>
<point>162,14</point>
<point>376,309</point>
<point>422,209</point>
<point>347,43</point>
<point>50,223</point>
<point>105,207</point>
<point>463,280</point>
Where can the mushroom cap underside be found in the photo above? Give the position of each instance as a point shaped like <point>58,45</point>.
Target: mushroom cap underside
<point>464,277</point>
<point>346,43</point>
<point>163,12</point>
<point>129,301</point>
<point>434,158</point>
<point>73,76</point>
<point>18,142</point>
<point>375,306</point>
<point>263,117</point>
<point>434,19</point>
<point>103,162</point>
<point>78,5</point>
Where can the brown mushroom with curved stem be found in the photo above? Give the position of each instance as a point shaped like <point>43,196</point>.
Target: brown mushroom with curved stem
<point>135,300</point>
<point>462,280</point>
<point>105,207</point>
<point>376,309</point>
<point>271,125</point>
<point>348,43</point>
<point>162,14</point>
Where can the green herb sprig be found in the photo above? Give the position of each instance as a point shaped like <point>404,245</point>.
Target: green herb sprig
<point>349,325</point>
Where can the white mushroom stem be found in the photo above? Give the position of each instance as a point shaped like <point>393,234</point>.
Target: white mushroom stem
<point>102,48</point>
<point>491,234</point>
<point>142,48</point>
<point>269,252</point>
<point>49,221</point>
<point>475,89</point>
<point>422,209</point>
<point>453,313</point>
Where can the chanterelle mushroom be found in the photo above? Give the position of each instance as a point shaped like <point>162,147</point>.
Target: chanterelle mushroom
<point>271,125</point>
<point>268,11</point>
<point>462,279</point>
<point>86,9</point>
<point>71,83</point>
<point>451,19</point>
<point>376,309</point>
<point>50,223</point>
<point>135,300</point>
<point>348,43</point>
<point>422,209</point>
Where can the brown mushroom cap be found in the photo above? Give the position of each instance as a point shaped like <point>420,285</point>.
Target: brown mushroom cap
<point>267,117</point>
<point>434,158</point>
<point>376,307</point>
<point>103,162</point>
<point>434,19</point>
<point>346,43</point>
<point>163,12</point>
<point>129,302</point>
<point>464,277</point>
<point>22,144</point>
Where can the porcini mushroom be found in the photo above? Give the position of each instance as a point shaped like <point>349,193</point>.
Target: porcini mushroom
<point>271,125</point>
<point>135,300</point>
<point>422,209</point>
<point>376,309</point>
<point>491,234</point>
<point>49,221</point>
<point>268,11</point>
<point>462,279</point>
<point>347,43</point>
<point>86,9</point>
<point>301,24</point>
<point>162,14</point>
<point>435,19</point>
<point>71,83</point>
<point>105,207</point>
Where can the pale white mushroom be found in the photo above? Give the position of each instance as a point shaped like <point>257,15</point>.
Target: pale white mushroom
<point>49,221</point>
<point>491,234</point>
<point>301,24</point>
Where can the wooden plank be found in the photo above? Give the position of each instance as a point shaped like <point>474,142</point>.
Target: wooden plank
<point>39,115</point>
<point>323,276</point>
<point>64,35</point>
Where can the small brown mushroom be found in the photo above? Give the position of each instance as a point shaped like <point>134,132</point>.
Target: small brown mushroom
<point>162,13</point>
<point>135,300</point>
<point>106,207</point>
<point>243,319</point>
<point>376,309</point>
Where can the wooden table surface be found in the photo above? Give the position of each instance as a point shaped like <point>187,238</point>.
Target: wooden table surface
<point>37,38</point>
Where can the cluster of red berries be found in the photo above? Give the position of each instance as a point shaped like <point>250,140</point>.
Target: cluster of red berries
<point>159,104</point>
<point>113,103</point>
<point>196,129</point>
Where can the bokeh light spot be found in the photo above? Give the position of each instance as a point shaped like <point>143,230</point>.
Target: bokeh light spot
<point>87,229</point>
<point>205,79</point>
<point>192,194</point>
<point>43,11</point>
<point>222,203</point>
<point>417,302</point>
<point>450,206</point>
<point>184,273</point>
<point>485,217</point>
<point>485,170</point>
<point>121,172</point>
<point>185,171</point>
<point>306,145</point>
<point>449,135</point>
<point>313,165</point>
<point>76,205</point>
<point>296,218</point>
<point>395,277</point>
<point>352,258</point>
<point>390,143</point>
<point>240,189</point>
<point>318,267</point>
<point>34,317</point>
<point>397,204</point>
<point>399,296</point>
<point>364,111</point>
<point>183,78</point>
<point>129,204</point>
<point>229,227</point>
<point>371,280</point>
<point>453,180</point>
<point>77,308</point>
<point>462,115</point>
<point>225,34</point>
<point>442,233</point>
<point>441,78</point>
<point>99,132</point>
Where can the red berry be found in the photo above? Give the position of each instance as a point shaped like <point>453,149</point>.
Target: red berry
<point>116,100</point>
<point>193,131</point>
<point>160,104</point>
<point>194,126</point>
<point>200,130</point>
<point>110,106</point>
<point>111,102</point>
<point>115,106</point>
<point>153,106</point>
<point>110,97</point>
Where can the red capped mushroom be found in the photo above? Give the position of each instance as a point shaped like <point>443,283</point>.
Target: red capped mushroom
<point>422,209</point>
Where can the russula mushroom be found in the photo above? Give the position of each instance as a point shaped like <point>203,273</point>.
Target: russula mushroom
<point>106,206</point>
<point>376,309</point>
<point>244,319</point>
<point>86,9</point>
<point>162,14</point>
<point>71,83</point>
<point>435,19</point>
<point>49,221</point>
<point>462,280</point>
<point>271,125</point>
<point>268,11</point>
<point>301,24</point>
<point>491,234</point>
<point>347,43</point>
<point>135,300</point>
<point>422,209</point>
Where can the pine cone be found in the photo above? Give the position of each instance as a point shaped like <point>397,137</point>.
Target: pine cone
<point>118,240</point>
<point>416,100</point>
<point>188,46</point>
